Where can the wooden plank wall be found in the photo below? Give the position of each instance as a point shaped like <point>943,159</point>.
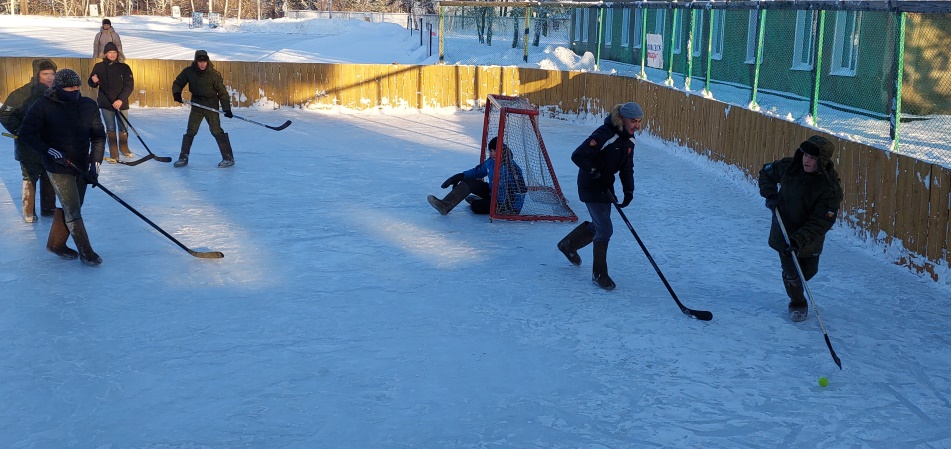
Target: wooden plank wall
<point>889,198</point>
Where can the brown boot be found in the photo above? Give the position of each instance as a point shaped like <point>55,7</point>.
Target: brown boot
<point>578,238</point>
<point>124,145</point>
<point>47,196</point>
<point>227,155</point>
<point>458,193</point>
<point>56,243</point>
<point>78,230</point>
<point>113,140</point>
<point>29,201</point>
<point>599,270</point>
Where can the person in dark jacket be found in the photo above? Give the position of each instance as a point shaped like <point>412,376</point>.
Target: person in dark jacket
<point>66,130</point>
<point>105,35</point>
<point>207,89</point>
<point>31,164</point>
<point>608,151</point>
<point>807,192</point>
<point>511,191</point>
<point>113,77</point>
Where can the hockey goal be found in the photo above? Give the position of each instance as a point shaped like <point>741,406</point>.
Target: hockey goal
<point>531,189</point>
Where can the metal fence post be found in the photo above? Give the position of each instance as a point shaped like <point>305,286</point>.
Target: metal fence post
<point>899,74</point>
<point>673,36</point>
<point>442,32</point>
<point>760,31</point>
<point>706,80</point>
<point>643,74</point>
<point>817,66</point>
<point>597,54</point>
<point>693,23</point>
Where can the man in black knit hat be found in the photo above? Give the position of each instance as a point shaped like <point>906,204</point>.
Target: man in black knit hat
<point>807,192</point>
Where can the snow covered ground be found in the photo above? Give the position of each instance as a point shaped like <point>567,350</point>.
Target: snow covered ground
<point>347,313</point>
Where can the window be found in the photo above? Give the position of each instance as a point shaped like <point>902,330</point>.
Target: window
<point>678,31</point>
<point>608,26</point>
<point>805,41</point>
<point>626,28</point>
<point>753,24</point>
<point>660,20</point>
<point>845,45</point>
<point>577,33</point>
<point>697,34</point>
<point>585,21</point>
<point>716,45</point>
<point>638,27</point>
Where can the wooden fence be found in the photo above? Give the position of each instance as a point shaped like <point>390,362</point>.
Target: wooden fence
<point>889,198</point>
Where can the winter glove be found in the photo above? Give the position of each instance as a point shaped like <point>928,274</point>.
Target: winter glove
<point>177,96</point>
<point>228,113</point>
<point>92,174</point>
<point>790,249</point>
<point>628,197</point>
<point>594,173</point>
<point>57,156</point>
<point>453,180</point>
<point>772,201</point>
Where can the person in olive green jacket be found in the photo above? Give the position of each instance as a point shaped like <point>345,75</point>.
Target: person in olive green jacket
<point>12,113</point>
<point>207,89</point>
<point>807,192</point>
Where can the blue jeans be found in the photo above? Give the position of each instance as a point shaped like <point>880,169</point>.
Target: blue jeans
<point>601,221</point>
<point>71,191</point>
<point>113,122</point>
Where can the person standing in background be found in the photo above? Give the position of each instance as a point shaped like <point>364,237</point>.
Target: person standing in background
<point>105,35</point>
<point>113,77</point>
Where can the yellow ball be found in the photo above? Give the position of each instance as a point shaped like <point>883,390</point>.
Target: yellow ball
<point>823,382</point>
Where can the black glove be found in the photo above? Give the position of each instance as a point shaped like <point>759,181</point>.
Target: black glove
<point>594,173</point>
<point>790,249</point>
<point>57,156</point>
<point>228,113</point>
<point>92,174</point>
<point>177,96</point>
<point>772,201</point>
<point>453,180</point>
<point>628,196</point>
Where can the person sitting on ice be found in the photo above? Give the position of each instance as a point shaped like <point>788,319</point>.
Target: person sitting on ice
<point>511,191</point>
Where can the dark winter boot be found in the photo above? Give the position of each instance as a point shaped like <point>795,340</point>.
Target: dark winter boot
<point>458,193</point>
<point>578,238</point>
<point>599,272</point>
<point>798,307</point>
<point>29,201</point>
<point>186,148</point>
<point>78,230</point>
<point>224,145</point>
<point>56,243</point>
<point>124,145</point>
<point>47,196</point>
<point>113,142</point>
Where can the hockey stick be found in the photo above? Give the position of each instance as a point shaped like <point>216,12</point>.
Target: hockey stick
<point>95,183</point>
<point>815,308</point>
<point>276,128</point>
<point>129,124</point>
<point>701,315</point>
<point>12,136</point>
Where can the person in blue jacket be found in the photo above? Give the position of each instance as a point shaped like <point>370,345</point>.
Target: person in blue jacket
<point>511,189</point>
<point>608,151</point>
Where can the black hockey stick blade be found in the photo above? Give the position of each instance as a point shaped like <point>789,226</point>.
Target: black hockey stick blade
<point>701,315</point>
<point>165,159</point>
<point>278,128</point>
<point>207,254</point>
<point>835,358</point>
<point>138,161</point>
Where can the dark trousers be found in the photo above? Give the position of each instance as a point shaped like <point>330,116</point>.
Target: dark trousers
<point>197,115</point>
<point>71,191</point>
<point>484,191</point>
<point>601,221</point>
<point>809,265</point>
<point>32,171</point>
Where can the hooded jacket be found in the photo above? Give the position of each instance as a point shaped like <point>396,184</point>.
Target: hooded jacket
<point>808,202</point>
<point>102,38</point>
<point>115,82</point>
<point>18,102</point>
<point>610,150</point>
<point>73,127</point>
<point>206,86</point>
<point>512,188</point>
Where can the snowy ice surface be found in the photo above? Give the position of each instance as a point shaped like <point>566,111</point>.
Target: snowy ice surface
<point>347,313</point>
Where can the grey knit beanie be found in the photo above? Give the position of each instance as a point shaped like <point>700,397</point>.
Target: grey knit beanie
<point>632,111</point>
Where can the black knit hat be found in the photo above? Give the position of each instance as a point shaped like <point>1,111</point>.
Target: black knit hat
<point>201,55</point>
<point>106,22</point>
<point>67,78</point>
<point>110,46</point>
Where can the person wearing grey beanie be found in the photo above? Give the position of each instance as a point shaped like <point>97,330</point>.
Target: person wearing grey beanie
<point>608,151</point>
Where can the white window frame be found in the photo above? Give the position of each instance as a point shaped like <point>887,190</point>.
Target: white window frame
<point>626,28</point>
<point>719,21</point>
<point>638,31</point>
<point>804,45</point>
<point>579,14</point>
<point>753,24</point>
<point>608,26</point>
<point>585,22</point>
<point>698,35</point>
<point>678,31</point>
<point>845,43</point>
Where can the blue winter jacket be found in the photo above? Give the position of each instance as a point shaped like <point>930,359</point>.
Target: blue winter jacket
<point>511,194</point>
